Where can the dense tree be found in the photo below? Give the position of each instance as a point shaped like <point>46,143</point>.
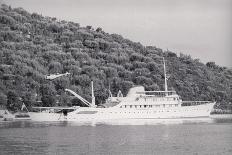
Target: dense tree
<point>3,100</point>
<point>13,101</point>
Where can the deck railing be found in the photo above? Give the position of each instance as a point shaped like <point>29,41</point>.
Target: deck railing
<point>191,103</point>
<point>157,93</point>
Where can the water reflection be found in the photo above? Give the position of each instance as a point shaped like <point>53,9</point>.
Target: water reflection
<point>31,124</point>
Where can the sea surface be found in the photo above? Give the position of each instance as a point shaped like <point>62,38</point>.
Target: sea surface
<point>177,136</point>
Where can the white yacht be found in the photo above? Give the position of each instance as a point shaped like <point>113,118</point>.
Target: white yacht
<point>141,104</point>
<point>138,104</point>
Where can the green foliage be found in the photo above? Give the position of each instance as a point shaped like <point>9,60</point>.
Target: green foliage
<point>13,101</point>
<point>32,46</point>
<point>4,19</point>
<point>3,99</point>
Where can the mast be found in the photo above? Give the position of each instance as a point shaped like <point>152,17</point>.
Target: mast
<point>165,77</point>
<point>93,98</point>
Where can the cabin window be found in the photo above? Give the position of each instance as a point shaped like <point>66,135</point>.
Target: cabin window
<point>125,106</point>
<point>140,106</point>
<point>145,106</point>
<point>150,106</point>
<point>130,106</point>
<point>135,106</point>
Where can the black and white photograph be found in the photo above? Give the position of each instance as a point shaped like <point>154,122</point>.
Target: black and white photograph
<point>116,77</point>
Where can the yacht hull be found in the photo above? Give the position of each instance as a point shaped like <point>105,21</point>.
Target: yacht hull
<point>112,113</point>
<point>84,114</point>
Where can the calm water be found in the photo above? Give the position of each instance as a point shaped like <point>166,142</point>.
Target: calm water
<point>205,136</point>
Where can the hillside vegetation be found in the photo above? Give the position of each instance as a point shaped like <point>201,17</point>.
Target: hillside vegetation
<point>32,46</point>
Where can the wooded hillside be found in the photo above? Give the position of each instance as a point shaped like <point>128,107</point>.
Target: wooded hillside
<point>32,46</point>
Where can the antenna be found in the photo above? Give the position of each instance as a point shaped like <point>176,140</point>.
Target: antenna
<point>165,77</point>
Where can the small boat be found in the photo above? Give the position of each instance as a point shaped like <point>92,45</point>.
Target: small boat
<point>21,116</point>
<point>5,115</point>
